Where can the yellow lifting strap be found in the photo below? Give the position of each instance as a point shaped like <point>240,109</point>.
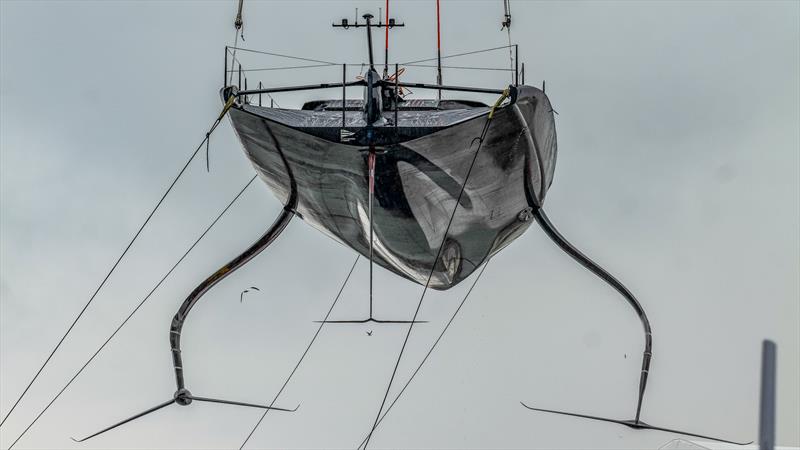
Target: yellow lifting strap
<point>227,106</point>
<point>504,96</point>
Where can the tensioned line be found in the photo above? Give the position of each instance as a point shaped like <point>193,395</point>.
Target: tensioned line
<point>134,311</point>
<point>108,275</point>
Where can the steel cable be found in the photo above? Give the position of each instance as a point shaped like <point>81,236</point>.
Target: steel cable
<point>453,56</point>
<point>319,329</point>
<point>108,275</point>
<point>433,267</point>
<point>427,355</point>
<point>132,313</point>
<point>282,56</point>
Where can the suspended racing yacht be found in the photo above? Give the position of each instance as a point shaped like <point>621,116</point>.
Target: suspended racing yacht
<point>427,189</point>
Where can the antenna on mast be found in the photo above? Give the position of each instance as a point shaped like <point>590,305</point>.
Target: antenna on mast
<point>390,23</point>
<point>368,17</point>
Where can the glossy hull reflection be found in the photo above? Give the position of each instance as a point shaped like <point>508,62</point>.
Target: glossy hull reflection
<point>420,168</point>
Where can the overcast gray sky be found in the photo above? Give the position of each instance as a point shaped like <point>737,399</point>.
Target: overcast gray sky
<point>678,170</point>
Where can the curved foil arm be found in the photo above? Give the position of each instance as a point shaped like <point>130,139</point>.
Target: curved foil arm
<point>636,422</point>
<point>180,317</point>
<point>553,234</point>
<point>266,239</point>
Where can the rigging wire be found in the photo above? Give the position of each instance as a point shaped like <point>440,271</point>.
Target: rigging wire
<point>507,26</point>
<point>461,67</point>
<point>236,60</point>
<point>438,49</point>
<point>313,339</point>
<point>141,303</point>
<point>286,68</point>
<point>457,54</point>
<point>371,169</point>
<point>114,266</point>
<point>435,343</point>
<point>233,54</point>
<point>433,266</point>
<point>282,56</point>
<point>312,66</point>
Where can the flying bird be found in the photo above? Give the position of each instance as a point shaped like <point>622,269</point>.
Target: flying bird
<point>241,296</point>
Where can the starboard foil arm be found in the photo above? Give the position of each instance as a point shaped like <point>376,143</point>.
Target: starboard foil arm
<point>593,267</point>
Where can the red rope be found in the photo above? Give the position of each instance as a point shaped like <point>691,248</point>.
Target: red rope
<point>371,164</point>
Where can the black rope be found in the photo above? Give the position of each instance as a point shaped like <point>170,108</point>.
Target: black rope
<point>425,359</point>
<point>108,275</point>
<point>319,329</point>
<point>453,56</point>
<point>430,275</point>
<point>282,56</point>
<point>133,312</point>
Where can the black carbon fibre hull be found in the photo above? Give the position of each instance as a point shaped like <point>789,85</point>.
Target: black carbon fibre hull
<point>420,168</point>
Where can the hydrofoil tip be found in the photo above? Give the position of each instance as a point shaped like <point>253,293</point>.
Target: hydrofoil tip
<point>637,425</point>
